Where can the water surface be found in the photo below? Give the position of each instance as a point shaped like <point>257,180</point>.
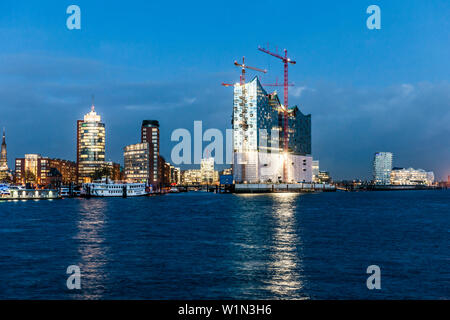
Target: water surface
<point>210,246</point>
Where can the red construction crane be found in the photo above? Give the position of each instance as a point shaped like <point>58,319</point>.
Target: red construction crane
<point>243,66</point>
<point>286,62</point>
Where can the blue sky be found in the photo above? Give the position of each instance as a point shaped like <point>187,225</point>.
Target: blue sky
<point>367,90</point>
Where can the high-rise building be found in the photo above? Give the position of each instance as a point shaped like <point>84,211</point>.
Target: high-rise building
<point>3,155</point>
<point>257,138</point>
<point>34,168</point>
<point>137,163</point>
<point>382,167</point>
<point>150,135</point>
<point>90,146</point>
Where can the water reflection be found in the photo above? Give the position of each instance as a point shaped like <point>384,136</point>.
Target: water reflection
<point>284,265</point>
<point>92,248</point>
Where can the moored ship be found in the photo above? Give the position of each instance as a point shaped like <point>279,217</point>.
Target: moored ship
<point>107,188</point>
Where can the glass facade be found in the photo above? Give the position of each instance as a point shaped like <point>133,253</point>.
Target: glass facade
<point>258,119</point>
<point>255,118</point>
<point>90,146</point>
<point>299,132</point>
<point>410,176</point>
<point>382,167</point>
<point>137,162</point>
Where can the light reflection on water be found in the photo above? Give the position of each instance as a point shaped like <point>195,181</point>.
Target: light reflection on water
<point>284,264</point>
<point>92,248</point>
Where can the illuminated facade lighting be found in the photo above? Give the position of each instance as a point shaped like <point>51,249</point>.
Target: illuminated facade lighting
<point>90,146</point>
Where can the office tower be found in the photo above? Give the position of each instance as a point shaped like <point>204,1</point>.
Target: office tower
<point>3,155</point>
<point>410,176</point>
<point>90,146</point>
<point>382,167</point>
<point>137,163</point>
<point>150,135</point>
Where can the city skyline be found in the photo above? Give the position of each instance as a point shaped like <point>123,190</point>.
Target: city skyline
<point>367,91</point>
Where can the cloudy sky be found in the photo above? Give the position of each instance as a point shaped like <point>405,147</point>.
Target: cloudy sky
<point>367,90</point>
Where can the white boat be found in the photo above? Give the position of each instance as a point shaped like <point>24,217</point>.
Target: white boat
<point>107,188</point>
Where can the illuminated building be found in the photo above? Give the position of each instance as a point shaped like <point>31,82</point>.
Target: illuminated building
<point>323,177</point>
<point>150,135</point>
<point>115,171</point>
<point>4,170</point>
<point>191,177</point>
<point>257,143</point>
<point>137,162</point>
<point>382,167</point>
<point>207,172</point>
<point>410,176</point>
<point>3,155</point>
<point>176,175</point>
<point>315,171</point>
<point>90,146</point>
<point>34,168</point>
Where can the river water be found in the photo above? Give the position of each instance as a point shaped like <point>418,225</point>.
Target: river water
<point>222,246</point>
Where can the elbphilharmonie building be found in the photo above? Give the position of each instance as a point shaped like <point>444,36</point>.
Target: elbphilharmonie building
<point>258,138</point>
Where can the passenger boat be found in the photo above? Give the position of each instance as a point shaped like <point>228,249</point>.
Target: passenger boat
<point>107,188</point>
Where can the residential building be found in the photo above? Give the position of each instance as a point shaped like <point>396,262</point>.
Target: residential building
<point>150,135</point>
<point>382,167</point>
<point>35,169</point>
<point>90,146</point>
